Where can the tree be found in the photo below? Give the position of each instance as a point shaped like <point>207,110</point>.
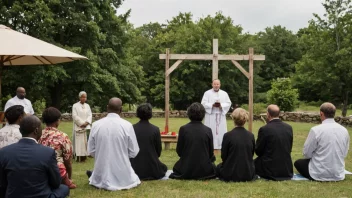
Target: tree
<point>325,69</point>
<point>281,49</point>
<point>88,27</point>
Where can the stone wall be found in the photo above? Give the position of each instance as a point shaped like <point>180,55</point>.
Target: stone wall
<point>286,116</point>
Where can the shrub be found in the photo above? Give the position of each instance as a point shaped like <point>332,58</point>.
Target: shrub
<point>39,106</point>
<point>283,95</point>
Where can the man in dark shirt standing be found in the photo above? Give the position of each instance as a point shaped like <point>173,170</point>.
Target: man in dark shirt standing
<point>273,148</point>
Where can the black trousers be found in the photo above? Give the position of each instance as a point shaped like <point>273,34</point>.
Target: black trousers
<point>302,166</point>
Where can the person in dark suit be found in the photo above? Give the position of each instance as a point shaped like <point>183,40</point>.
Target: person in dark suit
<point>195,148</point>
<point>147,164</point>
<point>29,169</point>
<point>273,148</point>
<point>237,151</point>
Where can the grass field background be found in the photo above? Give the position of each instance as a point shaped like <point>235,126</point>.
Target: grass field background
<point>215,188</point>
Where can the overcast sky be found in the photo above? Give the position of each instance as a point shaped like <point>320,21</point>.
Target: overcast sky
<point>252,15</point>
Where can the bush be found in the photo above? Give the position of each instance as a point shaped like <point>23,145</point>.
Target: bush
<point>283,95</point>
<point>39,106</point>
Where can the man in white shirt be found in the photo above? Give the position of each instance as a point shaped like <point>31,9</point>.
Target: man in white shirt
<point>20,99</point>
<point>112,142</point>
<point>325,149</point>
<point>216,103</point>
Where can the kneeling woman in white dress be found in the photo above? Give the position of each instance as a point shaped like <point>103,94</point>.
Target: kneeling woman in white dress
<point>82,120</point>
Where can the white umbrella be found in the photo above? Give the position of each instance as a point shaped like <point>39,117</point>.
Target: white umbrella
<point>20,49</point>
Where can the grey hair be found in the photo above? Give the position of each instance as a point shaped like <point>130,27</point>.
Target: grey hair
<point>81,93</point>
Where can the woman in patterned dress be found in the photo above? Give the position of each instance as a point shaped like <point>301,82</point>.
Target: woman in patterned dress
<point>82,120</point>
<point>60,142</point>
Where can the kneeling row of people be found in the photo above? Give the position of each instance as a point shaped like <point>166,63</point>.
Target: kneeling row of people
<point>325,149</point>
<point>136,150</point>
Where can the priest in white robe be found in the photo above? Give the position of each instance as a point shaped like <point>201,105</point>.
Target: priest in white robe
<point>216,103</point>
<point>112,142</point>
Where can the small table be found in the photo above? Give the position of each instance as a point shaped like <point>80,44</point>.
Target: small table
<point>168,139</point>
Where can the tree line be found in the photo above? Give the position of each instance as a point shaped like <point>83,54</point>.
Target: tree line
<point>124,60</point>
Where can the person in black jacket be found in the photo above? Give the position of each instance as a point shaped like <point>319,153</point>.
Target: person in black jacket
<point>147,164</point>
<point>273,148</point>
<point>29,169</point>
<point>237,151</point>
<point>195,148</point>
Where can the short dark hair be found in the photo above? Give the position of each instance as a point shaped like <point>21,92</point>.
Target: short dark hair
<point>13,113</point>
<point>29,124</point>
<point>196,112</point>
<point>144,111</point>
<point>328,109</point>
<point>274,113</point>
<point>51,115</point>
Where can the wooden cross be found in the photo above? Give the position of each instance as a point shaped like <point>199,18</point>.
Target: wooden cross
<point>215,57</point>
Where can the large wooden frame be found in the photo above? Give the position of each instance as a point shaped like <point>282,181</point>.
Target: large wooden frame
<point>215,57</point>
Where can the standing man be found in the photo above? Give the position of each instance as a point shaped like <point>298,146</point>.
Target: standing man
<point>112,143</point>
<point>273,148</point>
<point>325,149</point>
<point>216,103</point>
<point>20,99</point>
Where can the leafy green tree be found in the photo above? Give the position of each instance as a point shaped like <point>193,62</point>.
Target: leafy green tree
<point>88,27</point>
<point>282,51</point>
<point>324,72</point>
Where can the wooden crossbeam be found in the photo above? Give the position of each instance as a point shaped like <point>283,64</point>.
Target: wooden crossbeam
<point>244,72</point>
<point>210,57</point>
<point>173,67</point>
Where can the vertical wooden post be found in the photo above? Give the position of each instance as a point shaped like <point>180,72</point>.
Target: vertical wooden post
<point>167,90</point>
<point>250,94</point>
<point>215,59</point>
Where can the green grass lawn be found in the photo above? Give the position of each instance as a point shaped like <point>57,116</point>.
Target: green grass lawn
<point>215,188</point>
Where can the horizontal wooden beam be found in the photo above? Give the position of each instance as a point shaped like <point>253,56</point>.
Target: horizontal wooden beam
<point>210,57</point>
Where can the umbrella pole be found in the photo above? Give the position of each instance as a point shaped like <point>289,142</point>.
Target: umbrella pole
<point>1,68</point>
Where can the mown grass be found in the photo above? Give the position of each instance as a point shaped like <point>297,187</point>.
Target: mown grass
<point>215,188</point>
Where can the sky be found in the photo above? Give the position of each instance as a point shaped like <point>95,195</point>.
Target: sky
<point>252,15</point>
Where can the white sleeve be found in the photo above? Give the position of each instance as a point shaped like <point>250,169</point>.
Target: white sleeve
<point>89,111</point>
<point>310,145</point>
<point>31,111</point>
<point>91,141</point>
<point>8,104</point>
<point>206,103</point>
<point>226,105</point>
<point>76,119</point>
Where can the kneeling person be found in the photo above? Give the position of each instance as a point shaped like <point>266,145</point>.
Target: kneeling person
<point>195,148</point>
<point>237,151</point>
<point>147,164</point>
<point>325,149</point>
<point>112,142</point>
